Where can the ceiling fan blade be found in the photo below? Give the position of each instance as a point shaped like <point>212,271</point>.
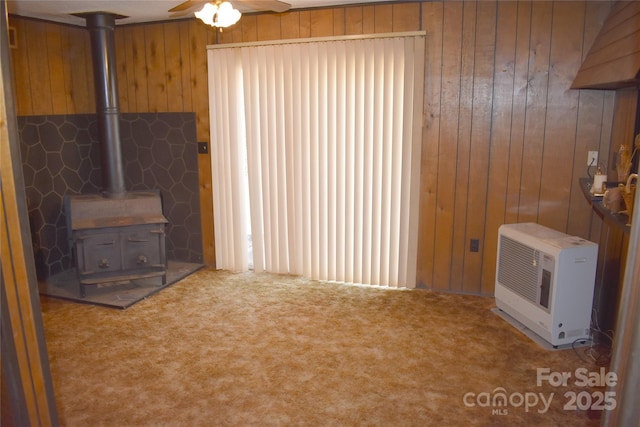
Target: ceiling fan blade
<point>186,5</point>
<point>260,5</point>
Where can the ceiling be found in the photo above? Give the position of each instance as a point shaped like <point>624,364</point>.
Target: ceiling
<point>135,10</point>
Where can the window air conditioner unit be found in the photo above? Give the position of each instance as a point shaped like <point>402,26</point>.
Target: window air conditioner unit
<point>545,281</point>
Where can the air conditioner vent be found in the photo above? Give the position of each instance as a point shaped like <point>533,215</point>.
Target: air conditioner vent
<point>545,282</point>
<point>518,268</point>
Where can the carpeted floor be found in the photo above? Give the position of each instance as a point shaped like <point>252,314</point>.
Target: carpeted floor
<point>223,349</point>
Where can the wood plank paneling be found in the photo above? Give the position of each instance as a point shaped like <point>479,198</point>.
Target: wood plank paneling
<point>268,27</point>
<point>368,20</point>
<point>232,34</point>
<point>626,46</point>
<point>383,18</point>
<point>518,110</point>
<point>123,77</point>
<point>488,139</point>
<point>290,25</point>
<point>321,22</point>
<point>140,69</point>
<point>353,20</point>
<point>537,86</point>
<point>305,23</point>
<point>56,69</point>
<point>84,93</point>
<point>199,80</point>
<point>539,40</point>
<point>448,142</point>
<point>432,22</point>
<point>249,28</point>
<point>127,88</point>
<point>620,28</point>
<point>155,67</point>
<point>562,112</point>
<point>621,11</point>
<point>174,65</point>
<point>406,17</point>
<point>476,207</point>
<point>185,65</point>
<point>592,133</point>
<point>338,22</point>
<point>625,110</point>
<point>614,59</point>
<point>504,139</point>
<point>37,59</point>
<point>20,63</point>
<point>465,128</point>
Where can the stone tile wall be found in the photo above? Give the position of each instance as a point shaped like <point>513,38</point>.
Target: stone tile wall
<point>61,155</point>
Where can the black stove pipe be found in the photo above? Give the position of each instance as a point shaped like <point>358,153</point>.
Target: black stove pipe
<point>101,26</point>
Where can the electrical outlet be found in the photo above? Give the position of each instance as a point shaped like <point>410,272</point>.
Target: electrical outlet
<point>592,158</point>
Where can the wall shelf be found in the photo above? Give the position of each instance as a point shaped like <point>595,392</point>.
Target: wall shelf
<point>618,220</point>
<point>613,241</point>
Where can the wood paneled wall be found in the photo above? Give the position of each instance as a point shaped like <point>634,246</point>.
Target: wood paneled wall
<point>505,138</point>
<point>52,68</point>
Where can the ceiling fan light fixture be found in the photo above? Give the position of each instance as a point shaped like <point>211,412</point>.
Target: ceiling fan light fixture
<point>218,15</point>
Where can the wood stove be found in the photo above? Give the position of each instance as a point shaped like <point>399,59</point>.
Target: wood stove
<point>117,235</point>
<point>117,240</point>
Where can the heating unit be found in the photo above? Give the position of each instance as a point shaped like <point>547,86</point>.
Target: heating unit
<point>545,280</point>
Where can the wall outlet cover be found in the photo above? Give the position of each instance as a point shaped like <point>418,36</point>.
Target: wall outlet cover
<point>203,147</point>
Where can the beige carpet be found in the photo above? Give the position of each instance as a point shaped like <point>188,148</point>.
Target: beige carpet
<point>223,349</point>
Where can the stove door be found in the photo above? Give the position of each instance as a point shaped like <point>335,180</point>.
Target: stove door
<point>143,247</point>
<point>100,253</point>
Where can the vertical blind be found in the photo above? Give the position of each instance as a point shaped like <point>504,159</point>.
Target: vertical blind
<point>316,155</point>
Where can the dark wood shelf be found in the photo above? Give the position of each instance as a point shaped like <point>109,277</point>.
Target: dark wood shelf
<point>618,220</point>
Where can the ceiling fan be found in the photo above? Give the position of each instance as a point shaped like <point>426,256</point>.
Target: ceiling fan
<point>246,5</point>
